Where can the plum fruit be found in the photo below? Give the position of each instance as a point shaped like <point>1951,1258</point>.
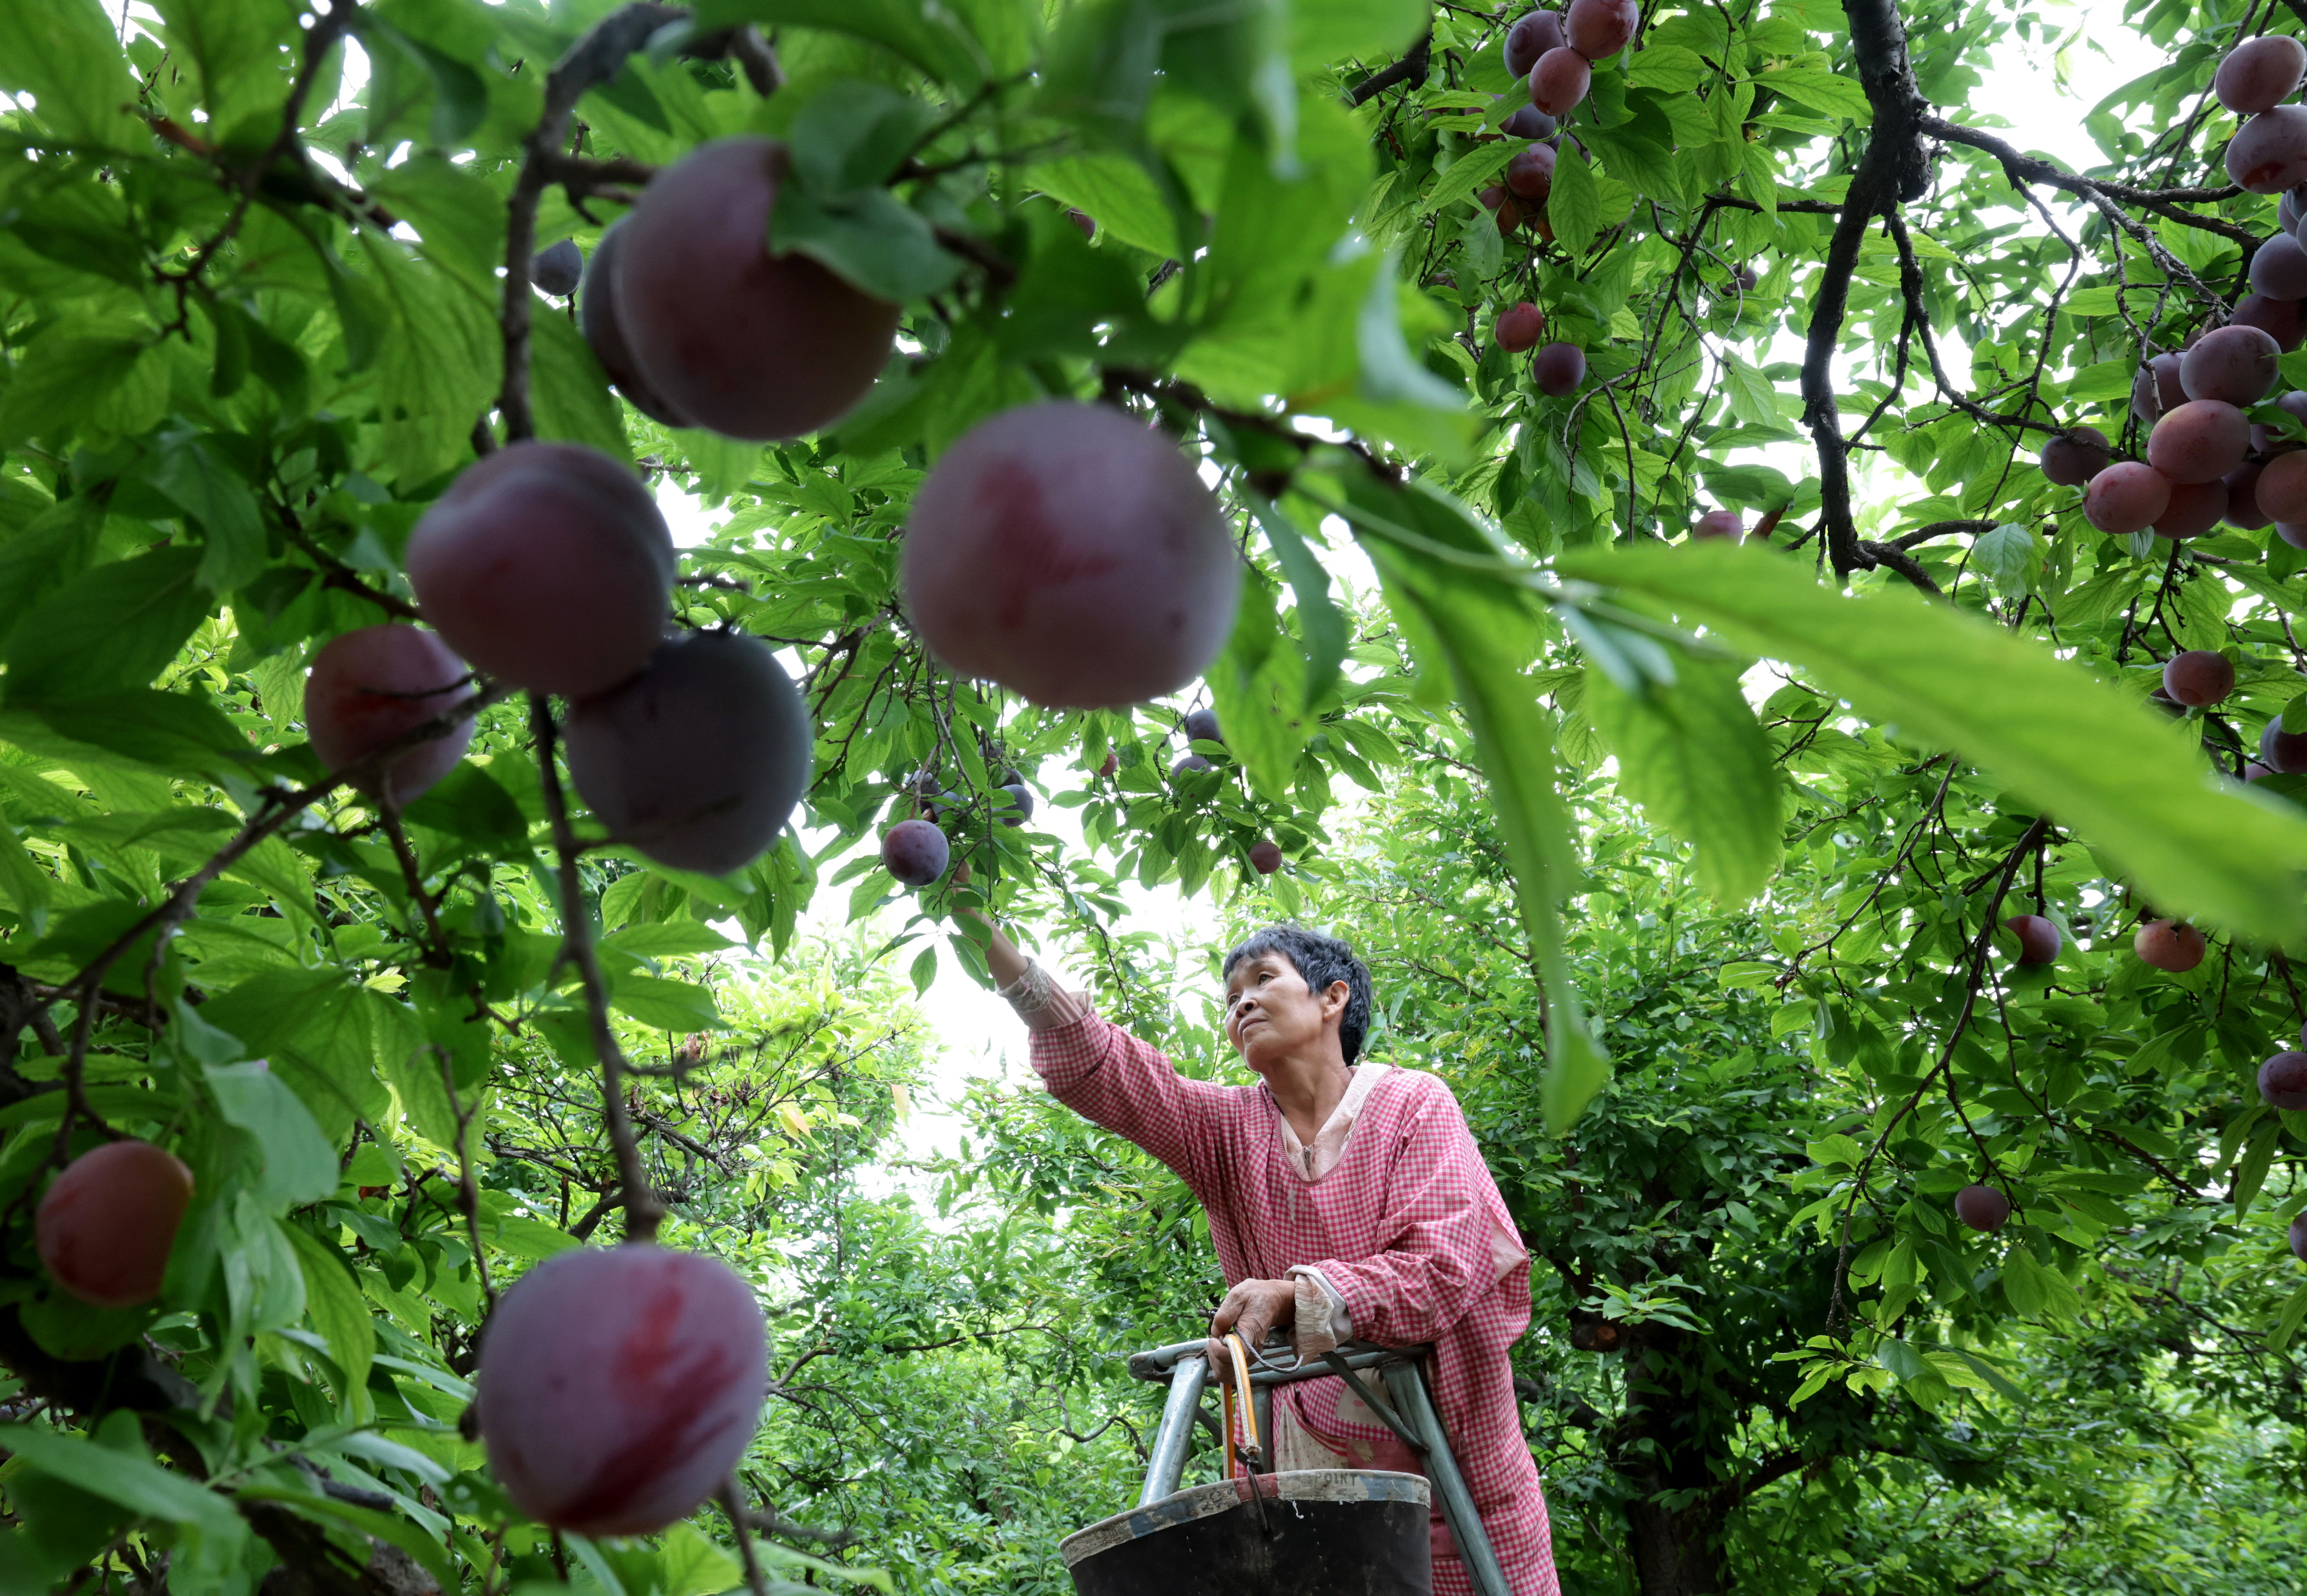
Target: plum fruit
<point>1531,37</point>
<point>1598,29</point>
<point>2198,678</point>
<point>744,340</point>
<point>618,1386</point>
<point>1559,369</point>
<point>1265,856</point>
<point>2038,938</point>
<point>1520,327</point>
<point>548,564</point>
<point>2126,497</point>
<point>1719,523</point>
<point>2259,74</point>
<point>1015,803</point>
<point>1982,1207</point>
<point>558,268</point>
<point>1201,725</point>
<point>916,852</point>
<point>1559,81</point>
<point>2170,945</point>
<point>2195,508</point>
<point>597,319</point>
<point>2072,457</point>
<point>1188,766</point>
<point>1530,174</point>
<point>2282,750</point>
<point>2269,152</point>
<point>104,1226</point>
<point>2234,364</point>
<point>698,760</point>
<point>2200,441</point>
<point>371,688</point>
<point>2283,1081</point>
<point>1072,554</point>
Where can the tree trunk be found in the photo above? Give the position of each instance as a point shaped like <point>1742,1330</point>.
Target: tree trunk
<point>1675,1552</point>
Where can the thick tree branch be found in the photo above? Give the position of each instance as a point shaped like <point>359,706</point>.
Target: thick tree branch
<point>2023,169</point>
<point>1895,166</point>
<point>1411,69</point>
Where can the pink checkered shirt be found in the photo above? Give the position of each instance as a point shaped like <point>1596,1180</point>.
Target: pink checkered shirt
<point>1409,1229</point>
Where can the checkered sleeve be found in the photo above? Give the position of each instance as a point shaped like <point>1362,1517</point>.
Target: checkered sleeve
<point>1444,1246</point>
<point>1110,1078</point>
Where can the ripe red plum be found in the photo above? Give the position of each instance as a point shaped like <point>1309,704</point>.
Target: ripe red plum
<point>2260,74</point>
<point>1559,81</point>
<point>2072,457</point>
<point>2198,678</point>
<point>2126,497</point>
<point>750,344</point>
<point>1719,523</point>
<point>2235,364</point>
<point>916,852</point>
<point>2195,508</point>
<point>2282,486</point>
<point>1529,123</point>
<point>548,564</point>
<point>1531,37</point>
<point>1264,857</point>
<point>1520,327</point>
<point>698,760</point>
<point>2201,441</point>
<point>597,318</point>
<point>1014,803</point>
<point>2278,269</point>
<point>1072,554</point>
<point>618,1386</point>
<point>104,1226</point>
<point>1530,174</point>
<point>1186,766</point>
<point>1559,369</point>
<point>1201,725</point>
<point>2268,153</point>
<point>2170,945</point>
<point>1983,1209</point>
<point>2281,750</point>
<point>2038,938</point>
<point>2283,1081</point>
<point>2279,318</point>
<point>1598,29</point>
<point>371,688</point>
<point>2242,497</point>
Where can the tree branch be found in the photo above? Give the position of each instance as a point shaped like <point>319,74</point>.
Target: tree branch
<point>1411,69</point>
<point>2023,169</point>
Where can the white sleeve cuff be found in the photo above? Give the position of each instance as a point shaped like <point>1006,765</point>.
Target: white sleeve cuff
<point>1323,1319</point>
<point>1041,1002</point>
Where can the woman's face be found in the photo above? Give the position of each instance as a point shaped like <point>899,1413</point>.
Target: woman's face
<point>1271,1014</point>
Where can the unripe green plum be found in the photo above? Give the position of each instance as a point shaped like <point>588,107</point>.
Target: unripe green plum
<point>618,1386</point>
<point>1983,1209</point>
<point>2038,938</point>
<point>546,564</point>
<point>371,688</point>
<point>2170,945</point>
<point>1072,554</point>
<point>104,1226</point>
<point>698,760</point>
<point>747,342</point>
<point>916,852</point>
<point>2283,1081</point>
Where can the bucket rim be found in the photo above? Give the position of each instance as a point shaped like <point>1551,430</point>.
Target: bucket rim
<point>1205,1501</point>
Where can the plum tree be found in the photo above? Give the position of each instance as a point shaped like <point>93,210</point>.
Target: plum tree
<point>1531,37</point>
<point>1201,725</point>
<point>1982,1207</point>
<point>2234,364</point>
<point>2278,269</point>
<point>2169,945</point>
<point>1559,81</point>
<point>2243,496</point>
<point>745,341</point>
<point>2198,678</point>
<point>2072,457</point>
<point>1069,552</point>
<point>1520,327</point>
<point>371,688</point>
<point>1559,369</point>
<point>698,760</point>
<point>2260,73</point>
<point>1598,29</point>
<point>2195,508</point>
<point>1530,173</point>
<point>106,1226</point>
<point>618,1386</point>
<point>557,268</point>
<point>2283,1081</point>
<point>597,318</point>
<point>1265,856</point>
<point>1719,523</point>
<point>2281,489</point>
<point>548,564</point>
<point>2282,750</point>
<point>2269,152</point>
<point>916,852</point>
<point>2038,938</point>
<point>2199,440</point>
<point>2126,497</point>
<point>1016,803</point>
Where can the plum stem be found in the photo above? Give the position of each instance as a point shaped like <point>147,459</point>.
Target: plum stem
<point>643,1211</point>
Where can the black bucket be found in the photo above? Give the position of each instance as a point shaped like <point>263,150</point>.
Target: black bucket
<point>1320,1532</point>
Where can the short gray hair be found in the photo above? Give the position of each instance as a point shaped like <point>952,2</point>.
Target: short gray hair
<point>1322,961</point>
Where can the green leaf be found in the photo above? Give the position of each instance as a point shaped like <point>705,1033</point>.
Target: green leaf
<point>213,494</point>
<point>338,1310</point>
<point>1318,613</point>
<point>1667,66</point>
<point>438,366</point>
<point>142,608</point>
<point>870,240</point>
<point>667,1005</point>
<point>72,373</point>
<point>570,392</point>
<point>1751,395</point>
<point>27,888</point>
<point>2287,1320</point>
<point>1821,91</point>
<point>1487,633</point>
<point>929,35</point>
<point>1117,195</point>
<point>2251,1174</point>
<point>136,1483</point>
<point>298,1165</point>
<point>2010,557</point>
<point>1259,689</point>
<point>2126,781</point>
<point>66,54</point>
<point>1692,754</point>
<point>1573,208</point>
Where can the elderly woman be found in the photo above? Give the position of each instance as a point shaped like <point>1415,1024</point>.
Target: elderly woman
<point>1346,1199</point>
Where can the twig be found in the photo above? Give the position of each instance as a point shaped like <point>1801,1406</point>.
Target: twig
<point>643,1211</point>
